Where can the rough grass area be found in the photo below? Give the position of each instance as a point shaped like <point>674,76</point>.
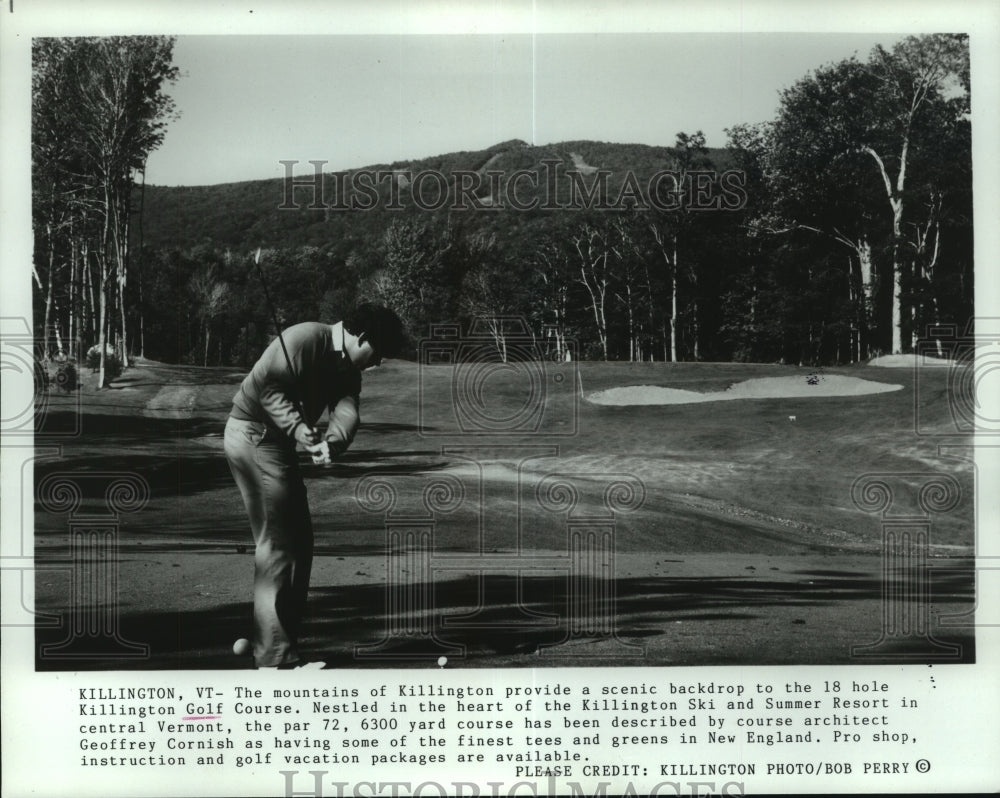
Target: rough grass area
<point>747,531</point>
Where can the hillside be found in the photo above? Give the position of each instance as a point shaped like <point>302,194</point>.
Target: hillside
<point>249,213</point>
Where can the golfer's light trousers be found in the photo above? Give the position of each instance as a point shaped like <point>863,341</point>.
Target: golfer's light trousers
<point>266,470</point>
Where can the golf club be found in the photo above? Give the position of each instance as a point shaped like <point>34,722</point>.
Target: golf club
<point>277,326</point>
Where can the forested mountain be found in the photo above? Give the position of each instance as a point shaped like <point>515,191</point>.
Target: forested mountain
<point>840,230</point>
<point>562,234</point>
<point>256,212</point>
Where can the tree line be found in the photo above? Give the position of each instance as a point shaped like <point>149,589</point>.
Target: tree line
<point>99,107</point>
<point>855,237</point>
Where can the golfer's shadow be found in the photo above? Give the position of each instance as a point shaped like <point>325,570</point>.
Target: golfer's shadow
<point>345,621</point>
<point>350,627</point>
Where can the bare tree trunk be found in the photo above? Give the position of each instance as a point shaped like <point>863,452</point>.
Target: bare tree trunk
<point>560,315</point>
<point>673,317</point>
<point>897,265</point>
<point>668,340</point>
<point>124,327</point>
<point>867,292</point>
<point>142,316</point>
<point>55,329</point>
<point>105,273</point>
<point>122,332</point>
<point>673,305</point>
<point>632,344</point>
<point>88,278</point>
<point>86,308</point>
<point>48,292</point>
<point>914,320</point>
<point>649,306</point>
<point>142,308</point>
<point>72,293</point>
<point>895,197</point>
<point>604,324</point>
<point>101,338</point>
<point>121,227</point>
<point>694,315</point>
<point>694,330</point>
<point>597,291</point>
<point>934,299</point>
<point>928,264</point>
<point>854,341</point>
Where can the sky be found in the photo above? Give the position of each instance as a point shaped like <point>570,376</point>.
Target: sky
<point>247,102</point>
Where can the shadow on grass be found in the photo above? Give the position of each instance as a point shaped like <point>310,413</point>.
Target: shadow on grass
<point>172,473</point>
<point>136,420</point>
<point>472,624</point>
<point>384,427</point>
<point>131,425</point>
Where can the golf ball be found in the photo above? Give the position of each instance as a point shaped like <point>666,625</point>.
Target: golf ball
<point>241,647</point>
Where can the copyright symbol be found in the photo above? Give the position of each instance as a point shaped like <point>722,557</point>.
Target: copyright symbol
<point>923,765</point>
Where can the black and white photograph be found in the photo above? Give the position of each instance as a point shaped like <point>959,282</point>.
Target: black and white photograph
<point>570,398</point>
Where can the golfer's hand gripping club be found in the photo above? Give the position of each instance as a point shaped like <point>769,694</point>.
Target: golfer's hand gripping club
<point>307,436</point>
<point>320,453</point>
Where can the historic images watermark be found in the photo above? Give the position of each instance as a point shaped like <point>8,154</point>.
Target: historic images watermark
<point>551,187</point>
<point>958,362</point>
<point>321,786</point>
<point>49,416</point>
<point>905,503</point>
<point>969,357</point>
<point>29,418</point>
<point>93,628</point>
<point>504,381</point>
<point>962,362</point>
<point>41,412</point>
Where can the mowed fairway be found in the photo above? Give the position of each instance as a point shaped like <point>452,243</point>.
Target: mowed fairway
<point>747,547</point>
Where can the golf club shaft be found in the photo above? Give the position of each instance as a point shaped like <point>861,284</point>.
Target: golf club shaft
<point>281,340</point>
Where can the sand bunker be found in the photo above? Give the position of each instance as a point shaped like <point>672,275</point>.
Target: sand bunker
<point>909,361</point>
<point>762,388</point>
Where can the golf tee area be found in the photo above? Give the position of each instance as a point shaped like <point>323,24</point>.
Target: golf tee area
<point>606,513</point>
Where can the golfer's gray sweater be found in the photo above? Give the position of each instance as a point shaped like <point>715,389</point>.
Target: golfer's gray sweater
<point>324,379</point>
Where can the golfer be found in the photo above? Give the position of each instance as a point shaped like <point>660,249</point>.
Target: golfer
<point>277,406</point>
